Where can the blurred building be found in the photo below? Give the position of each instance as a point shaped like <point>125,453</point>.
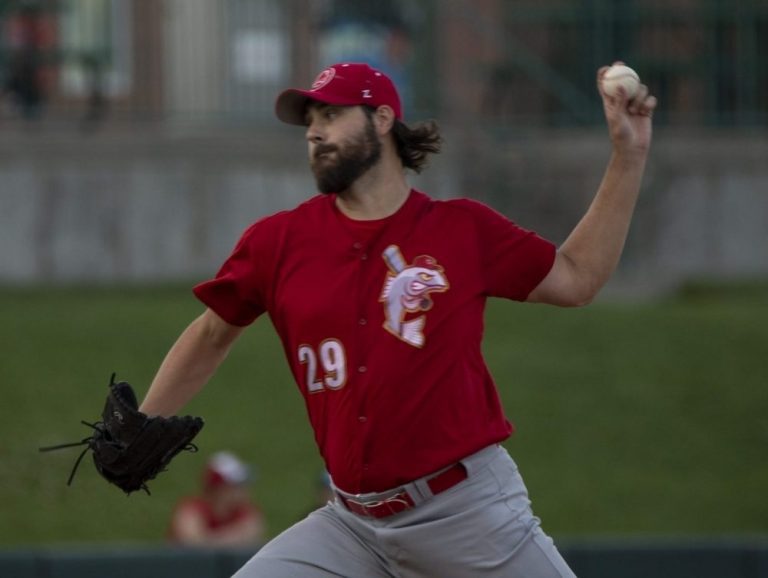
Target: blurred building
<point>523,62</point>
<point>137,136</point>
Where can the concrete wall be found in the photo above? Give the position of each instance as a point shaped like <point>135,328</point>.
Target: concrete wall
<point>148,208</point>
<point>703,210</point>
<point>154,206</point>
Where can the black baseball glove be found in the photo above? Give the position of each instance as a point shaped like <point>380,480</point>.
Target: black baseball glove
<point>129,447</point>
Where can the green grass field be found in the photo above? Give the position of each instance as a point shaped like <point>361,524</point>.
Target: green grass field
<point>632,419</point>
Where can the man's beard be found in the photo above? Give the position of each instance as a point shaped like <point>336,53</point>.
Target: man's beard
<point>353,158</point>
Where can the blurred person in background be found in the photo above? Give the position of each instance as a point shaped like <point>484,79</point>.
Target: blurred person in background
<point>323,492</point>
<point>223,514</point>
<point>96,104</point>
<point>23,84</point>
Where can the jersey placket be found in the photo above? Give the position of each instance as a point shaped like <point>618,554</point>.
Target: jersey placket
<point>362,345</point>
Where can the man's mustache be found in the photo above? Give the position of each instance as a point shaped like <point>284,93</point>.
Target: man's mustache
<point>321,149</point>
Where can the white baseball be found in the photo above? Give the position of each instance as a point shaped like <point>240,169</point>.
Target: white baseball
<point>620,75</point>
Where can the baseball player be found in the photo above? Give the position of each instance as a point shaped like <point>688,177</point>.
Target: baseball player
<point>377,292</point>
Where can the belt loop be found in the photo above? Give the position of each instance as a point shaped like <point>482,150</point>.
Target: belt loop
<point>477,461</point>
<point>421,489</point>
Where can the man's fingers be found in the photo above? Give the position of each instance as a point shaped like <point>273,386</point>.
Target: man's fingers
<point>638,99</point>
<point>648,106</point>
<point>600,72</point>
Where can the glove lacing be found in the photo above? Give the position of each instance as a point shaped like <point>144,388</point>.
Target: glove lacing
<point>89,441</point>
<point>85,441</point>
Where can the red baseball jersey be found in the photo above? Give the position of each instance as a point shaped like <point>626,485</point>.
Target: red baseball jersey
<point>212,521</point>
<point>381,322</point>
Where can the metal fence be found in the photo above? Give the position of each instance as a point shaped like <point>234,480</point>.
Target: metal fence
<point>521,62</point>
<point>703,58</point>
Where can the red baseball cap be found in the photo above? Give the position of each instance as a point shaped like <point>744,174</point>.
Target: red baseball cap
<point>344,84</point>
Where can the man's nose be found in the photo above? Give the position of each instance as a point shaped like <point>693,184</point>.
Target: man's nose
<point>314,134</point>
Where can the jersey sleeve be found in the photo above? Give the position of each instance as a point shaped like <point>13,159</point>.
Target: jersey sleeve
<point>239,292</point>
<point>515,260</point>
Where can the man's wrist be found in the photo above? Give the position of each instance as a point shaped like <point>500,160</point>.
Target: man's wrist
<point>629,155</point>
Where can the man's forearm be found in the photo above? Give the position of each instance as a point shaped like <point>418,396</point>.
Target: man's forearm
<point>189,364</point>
<point>595,245</point>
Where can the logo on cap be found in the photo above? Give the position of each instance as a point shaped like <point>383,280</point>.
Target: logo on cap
<point>323,78</point>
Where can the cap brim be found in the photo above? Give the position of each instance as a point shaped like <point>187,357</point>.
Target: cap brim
<point>291,104</point>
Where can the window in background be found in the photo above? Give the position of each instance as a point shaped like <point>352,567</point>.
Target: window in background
<point>95,40</point>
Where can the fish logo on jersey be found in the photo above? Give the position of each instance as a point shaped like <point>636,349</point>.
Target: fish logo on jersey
<point>406,290</point>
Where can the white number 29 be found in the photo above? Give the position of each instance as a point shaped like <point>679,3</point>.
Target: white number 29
<point>333,365</point>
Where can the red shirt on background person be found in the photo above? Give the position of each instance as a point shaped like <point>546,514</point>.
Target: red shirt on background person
<point>223,514</point>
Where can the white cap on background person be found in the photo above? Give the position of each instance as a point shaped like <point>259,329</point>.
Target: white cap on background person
<point>225,468</point>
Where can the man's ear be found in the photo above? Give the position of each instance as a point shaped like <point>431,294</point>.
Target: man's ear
<point>384,119</point>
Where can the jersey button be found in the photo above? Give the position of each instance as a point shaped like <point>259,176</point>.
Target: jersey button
<point>363,321</point>
<point>364,256</point>
<point>357,246</point>
<point>362,369</point>
<point>362,419</point>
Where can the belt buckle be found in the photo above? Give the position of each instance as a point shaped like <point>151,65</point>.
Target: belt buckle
<point>396,503</point>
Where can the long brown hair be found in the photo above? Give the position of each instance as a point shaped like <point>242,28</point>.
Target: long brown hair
<point>414,142</point>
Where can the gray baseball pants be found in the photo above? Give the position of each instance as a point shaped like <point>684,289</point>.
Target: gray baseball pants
<point>482,527</point>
